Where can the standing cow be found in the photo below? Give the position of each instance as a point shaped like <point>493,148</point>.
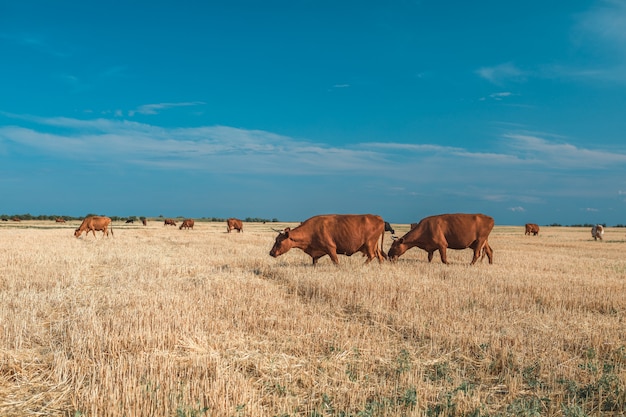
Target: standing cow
<point>531,228</point>
<point>233,223</point>
<point>169,222</point>
<point>335,234</point>
<point>93,223</point>
<point>447,231</point>
<point>388,228</point>
<point>186,224</point>
<point>597,232</point>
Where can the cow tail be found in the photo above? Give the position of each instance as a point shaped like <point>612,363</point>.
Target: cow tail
<point>382,239</point>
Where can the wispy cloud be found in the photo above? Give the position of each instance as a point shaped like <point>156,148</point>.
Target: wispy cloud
<point>499,176</point>
<point>502,73</point>
<point>157,108</point>
<point>606,21</point>
<point>35,42</point>
<point>563,155</point>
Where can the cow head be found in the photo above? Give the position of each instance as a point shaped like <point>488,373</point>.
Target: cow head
<point>282,243</point>
<point>397,249</point>
<point>77,232</point>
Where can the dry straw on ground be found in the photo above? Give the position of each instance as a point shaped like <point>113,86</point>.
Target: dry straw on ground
<point>159,321</point>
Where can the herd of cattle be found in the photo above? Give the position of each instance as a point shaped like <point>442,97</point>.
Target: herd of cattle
<point>347,234</point>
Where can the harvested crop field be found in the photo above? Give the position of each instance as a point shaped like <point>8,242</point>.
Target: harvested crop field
<point>158,321</point>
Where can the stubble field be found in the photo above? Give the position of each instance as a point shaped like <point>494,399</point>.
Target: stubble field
<point>158,321</point>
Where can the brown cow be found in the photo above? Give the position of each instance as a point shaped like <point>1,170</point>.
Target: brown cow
<point>60,220</point>
<point>169,222</point>
<point>597,232</point>
<point>531,228</point>
<point>453,231</point>
<point>93,223</point>
<point>233,223</point>
<point>144,222</point>
<point>186,224</point>
<point>334,234</point>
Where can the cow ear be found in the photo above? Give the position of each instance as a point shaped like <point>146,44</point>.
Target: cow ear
<point>286,231</point>
<point>401,240</point>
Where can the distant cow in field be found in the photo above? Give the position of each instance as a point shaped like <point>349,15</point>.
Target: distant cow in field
<point>169,222</point>
<point>5,219</point>
<point>59,220</point>
<point>16,219</point>
<point>186,224</point>
<point>144,222</point>
<point>93,223</point>
<point>597,232</point>
<point>130,221</point>
<point>335,234</point>
<point>233,223</point>
<point>531,228</point>
<point>447,231</point>
<point>388,228</point>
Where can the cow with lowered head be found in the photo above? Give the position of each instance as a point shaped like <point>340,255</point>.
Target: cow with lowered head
<point>233,223</point>
<point>335,234</point>
<point>93,223</point>
<point>447,231</point>
<point>531,228</point>
<point>187,224</point>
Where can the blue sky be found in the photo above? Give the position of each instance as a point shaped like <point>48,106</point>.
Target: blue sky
<point>288,109</point>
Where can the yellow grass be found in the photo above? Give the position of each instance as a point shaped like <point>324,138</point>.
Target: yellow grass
<point>159,321</point>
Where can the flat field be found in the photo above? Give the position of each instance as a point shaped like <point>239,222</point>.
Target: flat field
<point>158,321</point>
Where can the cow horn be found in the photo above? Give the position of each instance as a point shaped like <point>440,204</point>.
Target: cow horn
<point>276,230</point>
<point>394,237</point>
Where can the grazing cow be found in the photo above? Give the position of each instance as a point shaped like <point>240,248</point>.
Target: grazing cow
<point>130,221</point>
<point>233,223</point>
<point>144,222</point>
<point>388,228</point>
<point>59,220</point>
<point>335,234</point>
<point>16,219</point>
<point>5,219</point>
<point>447,231</point>
<point>93,223</point>
<point>169,222</point>
<point>531,228</point>
<point>186,224</point>
<point>597,232</point>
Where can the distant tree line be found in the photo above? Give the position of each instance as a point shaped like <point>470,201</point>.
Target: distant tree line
<point>29,216</point>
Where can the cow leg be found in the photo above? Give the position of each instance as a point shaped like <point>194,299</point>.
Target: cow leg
<point>332,252</point>
<point>443,254</point>
<point>487,249</point>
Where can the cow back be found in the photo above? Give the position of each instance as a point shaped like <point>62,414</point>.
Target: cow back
<point>347,232</point>
<point>459,230</point>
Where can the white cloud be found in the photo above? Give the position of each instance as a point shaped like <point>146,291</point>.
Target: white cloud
<point>500,96</point>
<point>502,73</point>
<point>562,155</point>
<point>499,177</point>
<point>517,209</point>
<point>156,108</point>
